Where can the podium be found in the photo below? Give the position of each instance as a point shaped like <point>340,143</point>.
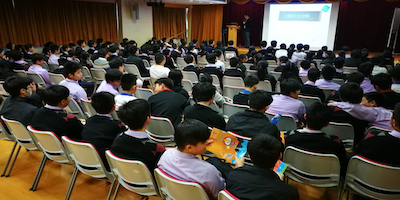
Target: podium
<point>232,33</point>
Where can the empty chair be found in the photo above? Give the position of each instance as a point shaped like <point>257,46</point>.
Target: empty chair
<point>232,81</point>
<point>52,67</point>
<point>250,72</point>
<point>181,62</point>
<point>36,78</point>
<point>287,122</point>
<point>56,78</point>
<point>98,74</point>
<point>349,70</point>
<point>133,175</point>
<point>275,74</point>
<point>230,91</point>
<point>86,160</point>
<point>21,73</point>
<point>160,129</point>
<point>225,195</point>
<point>192,76</point>
<point>187,85</point>
<point>344,131</point>
<point>264,85</point>
<point>338,81</point>
<point>74,108</point>
<point>372,179</point>
<point>87,108</point>
<point>52,149</point>
<point>172,188</point>
<point>308,100</point>
<point>143,93</point>
<point>230,109</point>
<point>327,92</point>
<point>133,69</point>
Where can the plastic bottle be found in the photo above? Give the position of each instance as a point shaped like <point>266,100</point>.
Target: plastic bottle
<point>276,118</point>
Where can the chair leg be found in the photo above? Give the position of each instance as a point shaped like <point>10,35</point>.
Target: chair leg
<point>111,189</point>
<point>71,183</point>
<point>39,173</point>
<point>116,191</point>
<point>9,158</point>
<point>13,161</point>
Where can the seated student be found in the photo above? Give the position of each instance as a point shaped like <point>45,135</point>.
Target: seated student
<point>286,103</point>
<point>281,52</point>
<point>53,118</point>
<point>210,47</point>
<point>260,182</point>
<point>5,69</point>
<point>29,48</point>
<point>220,65</point>
<point>366,68</point>
<point>242,59</point>
<point>338,64</point>
<point>73,73</point>
<point>234,70</point>
<point>117,63</point>
<point>262,73</point>
<point>112,82</point>
<point>176,76</point>
<point>92,46</point>
<point>190,65</point>
<point>134,144</point>
<point>355,59</point>
<point>355,77</point>
<point>253,121</point>
<point>101,62</point>
<point>38,61</point>
<point>203,94</point>
<point>113,52</point>
<point>220,47</point>
<point>135,59</point>
<point>263,50</point>
<point>351,93</point>
<point>211,68</point>
<point>55,50</point>
<point>168,60</point>
<point>299,53</point>
<point>383,147</point>
<point>309,88</point>
<point>192,138</point>
<point>376,60</point>
<point>17,61</point>
<point>311,138</point>
<point>128,85</point>
<point>101,129</point>
<point>158,70</point>
<point>166,103</point>
<point>305,66</point>
<point>382,83</point>
<point>250,85</point>
<point>218,98</point>
<point>281,62</point>
<point>327,72</point>
<point>395,74</point>
<point>232,48</point>
<point>19,106</point>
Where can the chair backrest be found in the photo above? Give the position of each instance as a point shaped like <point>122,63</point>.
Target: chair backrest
<point>372,179</point>
<point>160,129</point>
<point>132,68</point>
<point>271,62</point>
<point>229,55</point>
<point>278,86</point>
<point>56,78</point>
<point>172,188</point>
<point>286,123</point>
<point>181,62</point>
<point>233,81</point>
<point>132,175</point>
<point>36,78</point>
<point>52,67</point>
<point>375,128</point>
<point>86,73</point>
<point>4,134</point>
<point>308,100</point>
<point>275,74</point>
<point>338,81</point>
<point>201,60</point>
<point>98,74</point>
<point>187,85</point>
<point>344,131</point>
<point>304,78</point>
<point>230,91</point>
<point>86,158</point>
<point>146,64</point>
<point>50,144</point>
<point>74,108</point>
<point>20,133</point>
<point>247,65</point>
<point>327,92</point>
<point>87,107</point>
<point>215,81</point>
<point>251,72</point>
<point>143,93</point>
<point>3,92</point>
<point>318,61</point>
<point>192,76</point>
<point>230,109</point>
<point>21,73</point>
<point>264,85</point>
<point>349,70</point>
<point>316,169</point>
<point>225,195</point>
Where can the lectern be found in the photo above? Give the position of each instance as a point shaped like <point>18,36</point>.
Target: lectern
<point>232,33</point>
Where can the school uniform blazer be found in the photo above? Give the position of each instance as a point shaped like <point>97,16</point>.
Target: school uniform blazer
<point>206,115</point>
<point>314,91</point>
<point>139,63</point>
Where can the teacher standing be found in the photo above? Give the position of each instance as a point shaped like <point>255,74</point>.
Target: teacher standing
<point>246,30</point>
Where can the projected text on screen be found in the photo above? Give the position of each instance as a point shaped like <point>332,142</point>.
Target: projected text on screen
<point>299,16</point>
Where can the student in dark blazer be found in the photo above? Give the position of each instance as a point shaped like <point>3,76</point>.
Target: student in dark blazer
<point>203,94</point>
<point>250,85</point>
<point>135,59</point>
<point>382,83</point>
<point>176,76</point>
<point>338,63</point>
<point>234,70</point>
<point>355,59</point>
<point>232,48</point>
<point>309,88</point>
<point>168,60</point>
<point>190,65</point>
<point>211,68</point>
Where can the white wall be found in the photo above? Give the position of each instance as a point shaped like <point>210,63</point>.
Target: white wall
<point>142,30</point>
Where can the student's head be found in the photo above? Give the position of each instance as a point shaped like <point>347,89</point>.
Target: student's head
<point>290,87</point>
<point>195,41</point>
<point>283,46</point>
<point>263,44</point>
<point>366,68</point>
<point>16,55</point>
<point>176,76</point>
<point>218,54</point>
<point>318,116</point>
<point>73,71</point>
<point>283,59</point>
<point>18,86</point>
<point>210,42</point>
<point>355,77</point>
<point>204,92</point>
<point>313,74</point>
<point>376,60</point>
<point>81,43</point>
<point>135,114</point>
<point>251,82</point>
<point>324,48</point>
<point>166,52</point>
<point>373,99</point>
<point>134,50</point>
<point>243,58</point>
<point>128,83</point>
<point>356,53</point>
<point>71,54</point>
<point>103,102</point>
<point>395,74</point>
<point>117,63</point>
<point>113,49</point>
<point>305,64</point>
<point>160,59</point>
<point>260,100</point>
<point>99,41</point>
<point>192,136</point>
<point>84,57</point>
<point>162,84</point>
<point>90,43</point>
<point>230,43</point>
<point>395,121</point>
<point>381,82</point>
<point>56,95</point>
<point>55,49</point>
<point>234,62</point>
<point>211,58</point>
<point>299,47</point>
<point>338,62</point>
<point>205,78</point>
<point>258,57</point>
<point>37,59</point>
<point>188,59</point>
<point>351,92</point>
<point>274,43</point>
<point>328,72</point>
<point>28,47</point>
<point>102,53</point>
<point>113,77</point>
<point>72,45</point>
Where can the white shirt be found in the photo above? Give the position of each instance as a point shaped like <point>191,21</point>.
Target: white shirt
<point>220,65</point>
<point>379,70</point>
<point>75,90</point>
<point>159,71</point>
<point>396,87</point>
<point>280,53</point>
<point>53,59</point>
<point>300,55</point>
<point>287,106</point>
<point>122,99</point>
<point>322,83</point>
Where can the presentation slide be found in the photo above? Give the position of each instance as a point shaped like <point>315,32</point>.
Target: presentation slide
<point>313,24</point>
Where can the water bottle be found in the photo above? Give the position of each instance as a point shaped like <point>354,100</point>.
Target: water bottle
<point>276,118</point>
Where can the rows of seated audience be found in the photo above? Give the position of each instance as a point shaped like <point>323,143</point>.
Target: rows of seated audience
<point>368,96</point>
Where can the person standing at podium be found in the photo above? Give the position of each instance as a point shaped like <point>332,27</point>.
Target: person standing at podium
<point>246,30</point>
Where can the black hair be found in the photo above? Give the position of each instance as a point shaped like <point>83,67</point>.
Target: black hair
<point>283,59</point>
<point>274,43</point>
<point>195,41</point>
<point>218,53</point>
<point>211,58</point>
<point>128,81</point>
<point>80,42</point>
<point>396,113</point>
<point>159,58</point>
<point>356,53</point>
<point>242,56</point>
<point>265,150</point>
<point>188,58</point>
<point>16,55</point>
<point>230,42</point>
<point>203,91</point>
<point>251,80</point>
<point>54,94</point>
<point>376,60</point>
<point>176,76</point>
<point>169,83</point>
<point>14,84</point>
<point>116,63</point>
<point>28,46</point>
<point>263,43</point>
<point>351,92</point>
<point>306,47</point>
<point>305,64</point>
<point>205,78</point>
<point>48,44</point>
<point>99,40</point>
<point>210,42</point>
<point>379,98</point>
<point>355,77</point>
<point>259,99</point>
<point>283,46</point>
<point>338,62</point>
<point>134,113</point>
<point>234,62</point>
<point>113,75</point>
<point>90,43</point>
<point>166,52</point>
<point>37,57</point>
<point>113,48</point>
<point>64,48</point>
<point>328,72</point>
<point>313,74</point>
<point>70,68</point>
<point>103,102</point>
<point>290,85</point>
<point>299,47</point>
<point>54,48</point>
<point>245,14</point>
<point>191,132</point>
<point>71,53</point>
<point>366,68</point>
<point>290,70</point>
<point>383,81</point>
<point>71,45</point>
<point>395,73</point>
<point>133,50</point>
<point>9,46</point>
<point>318,116</point>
